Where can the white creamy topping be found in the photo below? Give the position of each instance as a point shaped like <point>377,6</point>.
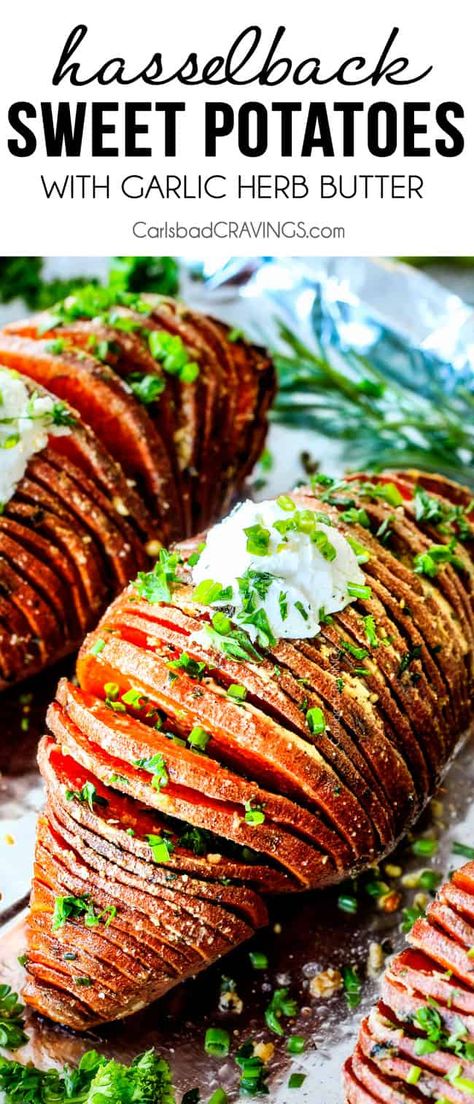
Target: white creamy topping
<point>310,571</point>
<point>26,420</point>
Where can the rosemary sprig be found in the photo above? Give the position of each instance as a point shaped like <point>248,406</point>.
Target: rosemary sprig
<point>378,422</point>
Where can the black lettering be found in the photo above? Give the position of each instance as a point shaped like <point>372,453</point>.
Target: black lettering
<point>63,136</point>
<point>456,146</point>
<point>28,146</point>
<point>348,120</point>
<point>375,143</point>
<point>398,65</point>
<point>411,128</point>
<point>133,128</point>
<point>170,110</point>
<point>100,128</point>
<point>214,129</point>
<point>257,113</point>
<point>62,70</point>
<point>317,121</point>
<point>286,110</point>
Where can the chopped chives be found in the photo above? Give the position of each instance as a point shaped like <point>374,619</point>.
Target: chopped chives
<point>258,960</point>
<point>237,692</point>
<point>254,814</point>
<point>286,503</point>
<point>295,1080</point>
<point>198,738</point>
<point>426,847</point>
<point>413,1075</point>
<point>219,1096</point>
<point>357,590</point>
<point>97,647</point>
<point>315,720</point>
<point>462,849</point>
<point>217,1042</point>
<point>295,1044</point>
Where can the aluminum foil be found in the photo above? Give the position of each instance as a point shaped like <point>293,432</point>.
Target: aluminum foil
<point>413,329</point>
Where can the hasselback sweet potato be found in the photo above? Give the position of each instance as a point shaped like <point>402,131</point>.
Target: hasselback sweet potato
<point>418,1041</point>
<point>157,774</point>
<point>163,437</point>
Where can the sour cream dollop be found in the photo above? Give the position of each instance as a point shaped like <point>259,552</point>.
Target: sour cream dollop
<point>26,420</point>
<point>309,577</point>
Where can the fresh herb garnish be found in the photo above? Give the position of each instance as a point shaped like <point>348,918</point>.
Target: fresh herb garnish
<point>315,720</point>
<point>237,692</point>
<point>429,562</point>
<point>155,586</point>
<point>258,540</point>
<point>198,738</point>
<point>410,916</point>
<point>208,591</point>
<point>146,1080</point>
<point>258,960</point>
<point>217,1042</point>
<point>193,668</point>
<point>156,766</point>
<point>12,1023</point>
<point>171,352</point>
<point>408,658</point>
<point>371,631</point>
<point>253,1073</point>
<point>161,848</point>
<point>281,1006</point>
<point>462,849</point>
<point>357,590</point>
<point>254,813</point>
<point>352,986</point>
<point>232,642</point>
<point>72,908</point>
<point>146,388</point>
<point>86,795</point>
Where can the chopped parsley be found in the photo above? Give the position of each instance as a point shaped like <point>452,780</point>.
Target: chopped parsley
<point>146,388</point>
<point>72,908</point>
<point>155,586</point>
<point>147,1078</point>
<point>86,795</point>
<point>352,986</point>
<point>12,1022</point>
<point>371,631</point>
<point>208,591</point>
<point>408,658</point>
<point>429,562</point>
<point>283,604</point>
<point>193,668</point>
<point>155,766</point>
<point>281,1006</point>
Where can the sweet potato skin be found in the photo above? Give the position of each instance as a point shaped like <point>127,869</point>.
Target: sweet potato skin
<point>265,805</point>
<point>135,472</point>
<point>433,977</point>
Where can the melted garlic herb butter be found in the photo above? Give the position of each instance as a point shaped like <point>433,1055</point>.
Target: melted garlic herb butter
<point>291,564</point>
<point>26,420</point>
